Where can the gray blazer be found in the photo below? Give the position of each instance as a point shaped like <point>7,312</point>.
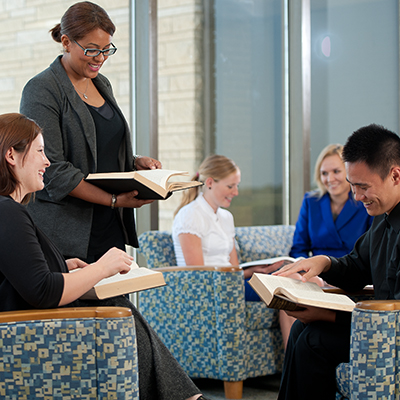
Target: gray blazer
<point>69,133</point>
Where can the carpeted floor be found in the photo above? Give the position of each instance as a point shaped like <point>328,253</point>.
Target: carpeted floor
<point>262,388</point>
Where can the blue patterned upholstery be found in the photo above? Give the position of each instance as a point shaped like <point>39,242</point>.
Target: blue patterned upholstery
<point>373,370</point>
<point>80,358</point>
<point>201,314</point>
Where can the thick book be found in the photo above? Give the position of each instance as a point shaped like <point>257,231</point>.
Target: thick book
<point>152,184</point>
<point>290,294</point>
<point>137,279</point>
<point>269,261</point>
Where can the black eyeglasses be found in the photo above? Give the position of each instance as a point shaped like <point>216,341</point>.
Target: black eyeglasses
<point>95,52</point>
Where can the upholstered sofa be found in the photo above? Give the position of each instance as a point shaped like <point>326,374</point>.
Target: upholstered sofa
<point>68,353</point>
<point>202,317</point>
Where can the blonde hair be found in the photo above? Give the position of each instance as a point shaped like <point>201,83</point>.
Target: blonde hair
<point>330,150</point>
<point>216,167</point>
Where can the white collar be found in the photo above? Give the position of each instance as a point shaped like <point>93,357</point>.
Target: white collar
<point>207,208</point>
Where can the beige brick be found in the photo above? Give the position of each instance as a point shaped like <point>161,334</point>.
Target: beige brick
<point>11,5</point>
<point>179,53</point>
<point>186,82</point>
<point>174,3</point>
<point>7,84</point>
<point>189,22</point>
<point>164,25</point>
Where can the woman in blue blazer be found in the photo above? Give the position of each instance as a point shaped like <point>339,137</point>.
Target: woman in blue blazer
<point>330,220</point>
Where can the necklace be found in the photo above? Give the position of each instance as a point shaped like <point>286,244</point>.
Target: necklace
<point>84,93</point>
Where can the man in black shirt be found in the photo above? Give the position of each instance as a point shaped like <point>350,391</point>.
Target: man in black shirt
<point>320,338</point>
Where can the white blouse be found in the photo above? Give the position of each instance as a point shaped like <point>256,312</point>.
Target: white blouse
<point>216,231</point>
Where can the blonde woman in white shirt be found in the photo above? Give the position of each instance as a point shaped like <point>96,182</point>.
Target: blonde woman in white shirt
<point>203,231</point>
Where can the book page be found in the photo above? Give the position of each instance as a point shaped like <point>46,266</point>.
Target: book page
<point>160,176</point>
<point>174,186</point>
<point>318,299</point>
<point>306,293</point>
<point>269,261</point>
<point>273,282</point>
<point>133,273</point>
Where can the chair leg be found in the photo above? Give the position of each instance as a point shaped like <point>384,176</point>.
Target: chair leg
<point>233,390</point>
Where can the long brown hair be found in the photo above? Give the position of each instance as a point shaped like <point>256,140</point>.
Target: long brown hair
<point>217,167</point>
<point>17,132</point>
<point>81,19</point>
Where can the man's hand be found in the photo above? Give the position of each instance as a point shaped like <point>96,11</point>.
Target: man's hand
<point>311,266</point>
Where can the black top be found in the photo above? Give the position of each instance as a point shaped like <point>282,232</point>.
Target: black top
<point>375,260</point>
<point>107,228</point>
<point>30,265</point>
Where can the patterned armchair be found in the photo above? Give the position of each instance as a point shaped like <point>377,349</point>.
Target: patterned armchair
<point>373,370</point>
<point>201,314</point>
<point>74,353</point>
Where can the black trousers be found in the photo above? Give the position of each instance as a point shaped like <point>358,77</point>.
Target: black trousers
<point>313,352</point>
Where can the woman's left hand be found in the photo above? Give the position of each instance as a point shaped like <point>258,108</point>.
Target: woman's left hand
<point>74,263</point>
<point>144,162</point>
<point>262,269</point>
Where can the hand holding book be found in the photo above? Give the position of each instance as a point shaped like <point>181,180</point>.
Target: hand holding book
<point>122,275</point>
<point>145,162</point>
<point>151,184</point>
<point>291,294</point>
<point>264,268</point>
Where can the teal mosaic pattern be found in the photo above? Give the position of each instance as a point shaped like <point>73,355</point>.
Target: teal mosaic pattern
<point>69,359</point>
<point>260,242</point>
<point>202,316</point>
<point>158,249</point>
<point>373,370</point>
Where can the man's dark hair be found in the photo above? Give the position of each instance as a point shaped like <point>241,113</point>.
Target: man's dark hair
<point>375,145</point>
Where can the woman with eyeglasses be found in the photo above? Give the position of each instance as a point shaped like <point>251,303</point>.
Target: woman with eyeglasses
<point>85,132</point>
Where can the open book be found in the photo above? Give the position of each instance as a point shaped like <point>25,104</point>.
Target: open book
<point>152,184</point>
<point>290,294</point>
<point>135,280</point>
<point>269,261</point>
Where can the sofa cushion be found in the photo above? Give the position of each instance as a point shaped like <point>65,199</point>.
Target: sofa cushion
<point>260,242</point>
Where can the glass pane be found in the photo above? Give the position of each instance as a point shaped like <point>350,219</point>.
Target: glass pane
<point>354,68</point>
<point>248,104</point>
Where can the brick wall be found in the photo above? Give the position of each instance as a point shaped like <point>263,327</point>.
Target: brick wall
<point>27,47</point>
<point>180,81</point>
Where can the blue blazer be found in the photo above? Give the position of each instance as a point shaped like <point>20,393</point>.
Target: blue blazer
<point>317,233</point>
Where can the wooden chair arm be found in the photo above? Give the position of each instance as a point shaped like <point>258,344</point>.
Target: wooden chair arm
<point>367,291</point>
<point>379,305</point>
<point>64,313</point>
<point>230,268</point>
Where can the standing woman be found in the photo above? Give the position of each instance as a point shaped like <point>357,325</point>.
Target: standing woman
<point>85,132</point>
<point>330,220</point>
<point>38,276</point>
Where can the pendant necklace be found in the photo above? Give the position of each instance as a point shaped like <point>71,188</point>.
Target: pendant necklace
<point>84,93</point>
